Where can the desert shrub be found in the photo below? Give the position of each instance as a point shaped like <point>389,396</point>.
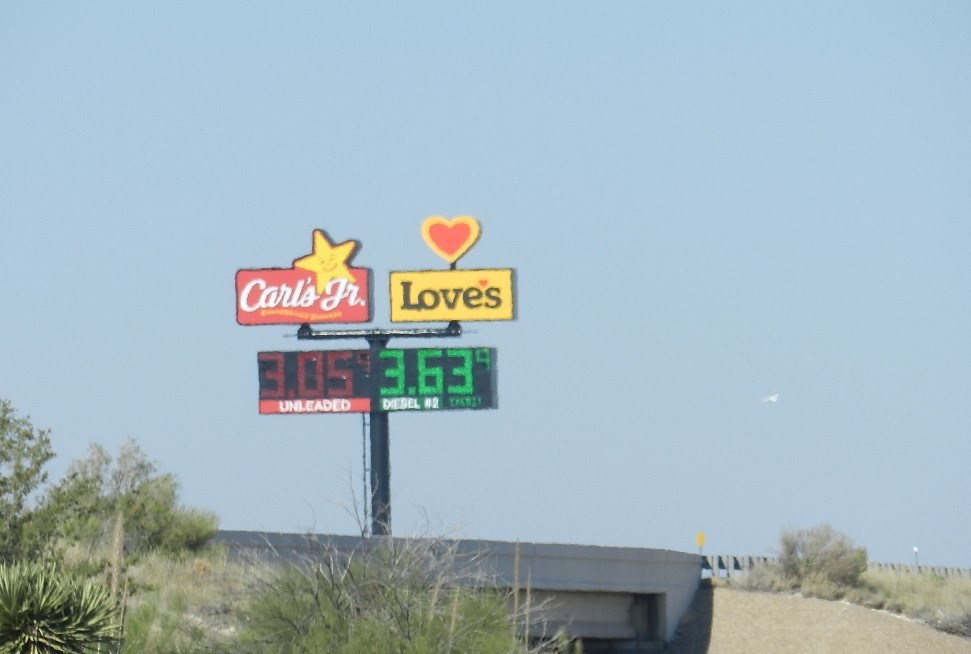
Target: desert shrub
<point>821,559</point>
<point>172,604</point>
<point>153,625</point>
<point>45,610</point>
<point>99,492</point>
<point>164,623</point>
<point>24,451</point>
<point>385,596</point>
<point>180,605</point>
<point>766,578</point>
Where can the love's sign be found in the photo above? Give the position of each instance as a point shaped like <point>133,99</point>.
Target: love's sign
<point>452,295</point>
<point>446,295</point>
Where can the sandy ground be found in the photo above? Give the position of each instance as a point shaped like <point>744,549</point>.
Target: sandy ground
<point>751,623</point>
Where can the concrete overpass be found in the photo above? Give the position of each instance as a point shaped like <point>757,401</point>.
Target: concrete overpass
<point>614,598</point>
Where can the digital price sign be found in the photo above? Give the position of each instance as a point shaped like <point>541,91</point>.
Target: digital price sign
<point>436,378</point>
<point>315,382</point>
<point>355,381</point>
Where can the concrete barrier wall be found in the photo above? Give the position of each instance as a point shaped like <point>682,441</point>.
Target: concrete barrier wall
<point>570,571</point>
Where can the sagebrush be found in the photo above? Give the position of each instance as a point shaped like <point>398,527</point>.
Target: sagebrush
<point>821,554</point>
<point>414,595</point>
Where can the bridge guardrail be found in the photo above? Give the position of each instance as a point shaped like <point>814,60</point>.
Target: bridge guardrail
<point>732,564</point>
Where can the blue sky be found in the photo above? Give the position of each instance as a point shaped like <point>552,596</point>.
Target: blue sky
<point>705,205</point>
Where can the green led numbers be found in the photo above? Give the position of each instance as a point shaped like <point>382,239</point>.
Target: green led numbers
<point>395,372</point>
<point>430,378</point>
<point>434,379</point>
<point>463,371</point>
<point>484,356</point>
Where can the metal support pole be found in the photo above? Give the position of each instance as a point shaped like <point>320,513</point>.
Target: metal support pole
<point>380,475</point>
<point>380,458</point>
<point>379,430</point>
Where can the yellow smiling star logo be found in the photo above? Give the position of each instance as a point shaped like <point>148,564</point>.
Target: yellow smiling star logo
<point>327,261</point>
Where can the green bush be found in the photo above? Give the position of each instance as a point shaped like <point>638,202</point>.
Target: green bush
<point>24,451</point>
<point>386,596</point>
<point>823,557</point>
<point>44,610</point>
<point>84,507</point>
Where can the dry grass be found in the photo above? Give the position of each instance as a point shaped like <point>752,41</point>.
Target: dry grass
<point>171,604</point>
<point>175,605</point>
<point>943,603</point>
<point>747,622</point>
<point>825,564</point>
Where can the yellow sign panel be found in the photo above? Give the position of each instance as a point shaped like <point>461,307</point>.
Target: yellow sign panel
<point>701,539</point>
<point>446,295</point>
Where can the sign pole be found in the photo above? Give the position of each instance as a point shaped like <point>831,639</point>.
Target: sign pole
<point>380,457</point>
<point>379,429</point>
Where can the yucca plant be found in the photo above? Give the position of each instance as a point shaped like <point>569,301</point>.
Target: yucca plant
<point>45,610</point>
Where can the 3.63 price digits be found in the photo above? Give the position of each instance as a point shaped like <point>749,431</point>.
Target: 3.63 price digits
<point>436,378</point>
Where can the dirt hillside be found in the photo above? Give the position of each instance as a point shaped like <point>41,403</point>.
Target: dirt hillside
<point>727,621</point>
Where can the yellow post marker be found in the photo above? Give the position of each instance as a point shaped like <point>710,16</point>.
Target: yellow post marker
<point>701,541</point>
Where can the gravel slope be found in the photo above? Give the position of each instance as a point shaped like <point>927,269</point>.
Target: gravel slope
<point>744,622</point>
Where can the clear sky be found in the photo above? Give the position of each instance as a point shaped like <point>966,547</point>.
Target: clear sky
<point>705,203</point>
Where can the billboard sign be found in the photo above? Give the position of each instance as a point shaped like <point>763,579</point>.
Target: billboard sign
<point>452,295</point>
<point>463,295</point>
<point>320,287</point>
<point>352,381</point>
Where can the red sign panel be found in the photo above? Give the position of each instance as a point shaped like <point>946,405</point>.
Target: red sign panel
<point>278,296</point>
<point>340,405</point>
<point>332,381</point>
<point>320,288</point>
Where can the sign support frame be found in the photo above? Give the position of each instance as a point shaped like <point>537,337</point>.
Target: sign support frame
<point>379,432</point>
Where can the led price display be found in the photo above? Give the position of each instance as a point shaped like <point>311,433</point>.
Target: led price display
<point>352,381</point>
<point>436,378</point>
<point>332,381</point>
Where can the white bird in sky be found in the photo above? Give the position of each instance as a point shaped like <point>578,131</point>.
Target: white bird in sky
<point>771,398</point>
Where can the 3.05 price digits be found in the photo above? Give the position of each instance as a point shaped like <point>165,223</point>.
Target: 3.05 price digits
<point>314,375</point>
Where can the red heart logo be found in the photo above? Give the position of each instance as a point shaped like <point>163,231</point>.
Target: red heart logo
<point>483,283</point>
<point>450,239</point>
